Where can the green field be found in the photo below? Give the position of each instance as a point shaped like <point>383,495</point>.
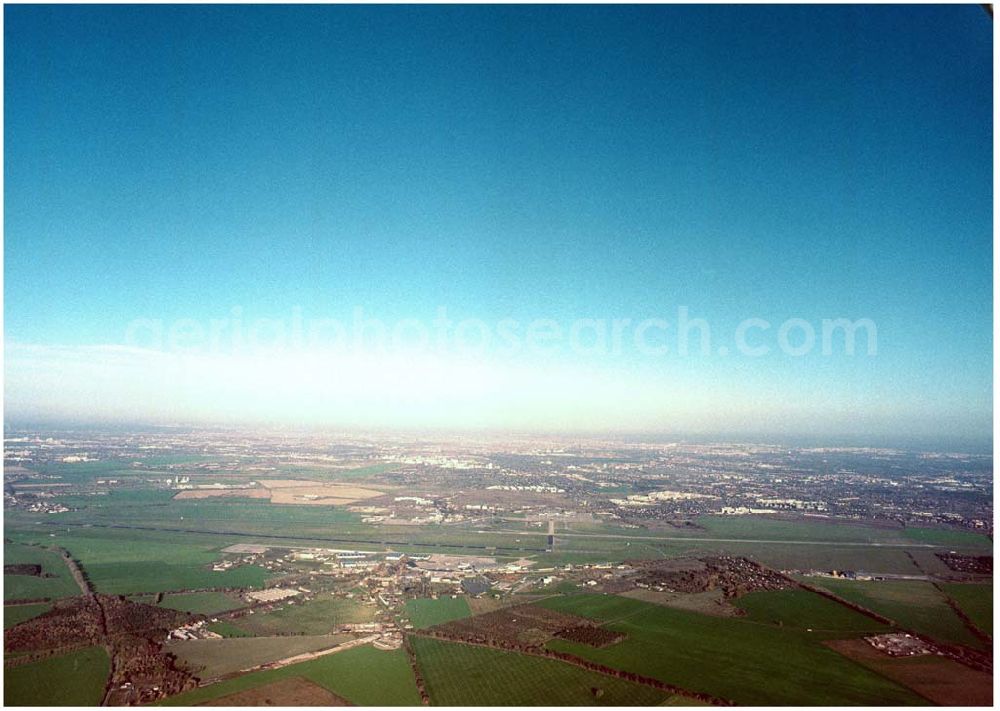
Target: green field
<point>30,587</point>
<point>123,562</point>
<point>976,601</point>
<point>228,629</point>
<point>74,679</point>
<point>218,657</point>
<point>820,557</point>
<point>463,675</point>
<point>760,537</point>
<point>425,612</point>
<point>804,610</point>
<point>84,471</point>
<point>318,616</point>
<point>159,508</point>
<point>966,540</point>
<point>810,556</point>
<point>746,662</point>
<point>763,537</point>
<point>560,586</point>
<point>775,529</point>
<point>348,674</point>
<point>194,546</point>
<point>115,501</point>
<point>912,604</point>
<point>202,603</point>
<point>361,472</point>
<point>15,614</point>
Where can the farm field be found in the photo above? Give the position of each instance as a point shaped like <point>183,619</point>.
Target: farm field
<point>251,516</point>
<point>202,603</point>
<point>262,516</point>
<point>560,586</point>
<point>228,629</point>
<point>773,646</point>
<point>321,615</point>
<point>425,613</point>
<point>804,610</point>
<point>242,494</point>
<point>775,529</point>
<point>14,614</point>
<point>965,540</point>
<point>464,675</point>
<point>810,544</point>
<point>939,680</point>
<point>913,604</point>
<point>362,472</point>
<point>926,560</point>
<point>116,501</point>
<point>120,564</point>
<point>213,525</point>
<point>218,657</point>
<point>323,522</point>
<point>83,471</point>
<point>74,679</point>
<point>294,691</point>
<point>761,537</point>
<point>336,474</point>
<point>826,557</point>
<point>58,582</point>
<point>347,674</point>
<point>746,662</point>
<point>295,492</point>
<point>711,602</point>
<point>976,601</point>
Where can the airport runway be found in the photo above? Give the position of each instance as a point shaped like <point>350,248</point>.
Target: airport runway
<point>692,539</point>
<point>278,536</point>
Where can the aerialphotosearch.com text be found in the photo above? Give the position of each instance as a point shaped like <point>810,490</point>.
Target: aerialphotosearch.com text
<point>683,335</point>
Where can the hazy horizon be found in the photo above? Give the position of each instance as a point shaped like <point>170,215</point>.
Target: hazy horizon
<point>900,441</point>
<point>203,203</point>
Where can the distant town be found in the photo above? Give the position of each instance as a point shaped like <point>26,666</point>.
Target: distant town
<point>184,564</point>
<point>631,485</point>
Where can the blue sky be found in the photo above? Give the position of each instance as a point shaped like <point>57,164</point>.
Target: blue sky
<point>517,162</point>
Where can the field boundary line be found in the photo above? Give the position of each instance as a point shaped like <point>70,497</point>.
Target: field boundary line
<point>587,665</point>
<point>974,659</point>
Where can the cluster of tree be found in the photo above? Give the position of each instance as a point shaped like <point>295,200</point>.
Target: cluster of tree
<point>425,698</point>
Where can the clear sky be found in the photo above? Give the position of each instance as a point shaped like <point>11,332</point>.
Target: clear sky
<point>177,163</point>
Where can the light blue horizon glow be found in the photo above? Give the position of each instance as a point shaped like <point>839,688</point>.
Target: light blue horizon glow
<point>175,162</point>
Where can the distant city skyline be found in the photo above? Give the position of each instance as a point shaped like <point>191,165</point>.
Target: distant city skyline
<point>169,168</point>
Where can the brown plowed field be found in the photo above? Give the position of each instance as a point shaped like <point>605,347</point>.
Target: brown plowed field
<point>936,678</point>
